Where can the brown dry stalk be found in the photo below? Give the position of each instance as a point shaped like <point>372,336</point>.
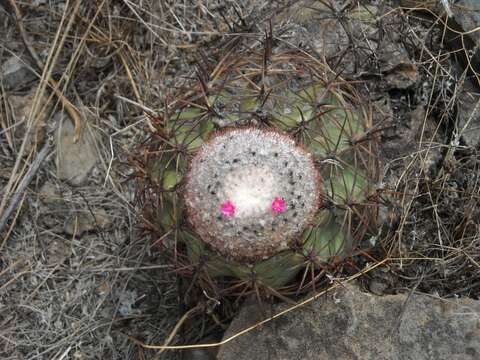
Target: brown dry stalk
<point>16,175</point>
<point>179,324</point>
<point>69,107</point>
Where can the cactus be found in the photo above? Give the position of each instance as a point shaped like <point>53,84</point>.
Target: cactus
<point>259,188</point>
<point>263,171</point>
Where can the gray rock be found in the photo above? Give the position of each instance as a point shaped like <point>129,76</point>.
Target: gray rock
<point>395,65</point>
<point>377,286</point>
<point>349,324</point>
<point>468,115</point>
<point>467,14</point>
<point>209,353</point>
<point>314,24</point>
<point>199,354</point>
<point>353,45</point>
<point>15,73</point>
<point>466,18</point>
<point>75,160</point>
<point>407,133</point>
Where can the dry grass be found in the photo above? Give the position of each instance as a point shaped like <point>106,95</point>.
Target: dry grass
<point>437,242</point>
<point>69,296</point>
<point>66,296</point>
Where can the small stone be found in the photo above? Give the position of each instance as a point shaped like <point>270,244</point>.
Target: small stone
<point>49,193</point>
<point>465,19</point>
<point>395,64</point>
<point>468,115</point>
<point>127,300</point>
<point>15,73</point>
<point>377,286</point>
<point>84,221</point>
<point>21,106</point>
<point>103,289</point>
<point>402,76</point>
<point>78,355</point>
<point>57,251</point>
<point>75,161</point>
<point>413,130</point>
<point>199,354</point>
<point>467,13</point>
<point>39,2</point>
<point>349,324</point>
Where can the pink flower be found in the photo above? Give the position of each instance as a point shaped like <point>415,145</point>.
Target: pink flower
<point>227,209</point>
<point>278,205</point>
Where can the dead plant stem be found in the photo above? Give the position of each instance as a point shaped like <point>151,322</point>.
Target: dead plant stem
<point>69,107</point>
<point>40,157</point>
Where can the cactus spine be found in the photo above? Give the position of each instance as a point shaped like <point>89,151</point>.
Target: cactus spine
<point>266,167</point>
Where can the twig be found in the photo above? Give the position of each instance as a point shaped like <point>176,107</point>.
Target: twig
<point>177,327</point>
<point>23,185</point>
<point>69,107</point>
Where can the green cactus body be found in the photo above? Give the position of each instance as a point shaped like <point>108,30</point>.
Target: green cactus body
<point>269,169</point>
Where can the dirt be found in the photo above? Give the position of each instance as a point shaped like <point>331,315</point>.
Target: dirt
<point>79,273</point>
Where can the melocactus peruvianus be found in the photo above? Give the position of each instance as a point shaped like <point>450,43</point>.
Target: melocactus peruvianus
<point>263,171</point>
<point>250,192</point>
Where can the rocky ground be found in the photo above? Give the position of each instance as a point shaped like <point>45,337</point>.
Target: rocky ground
<point>351,324</point>
<point>78,272</point>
